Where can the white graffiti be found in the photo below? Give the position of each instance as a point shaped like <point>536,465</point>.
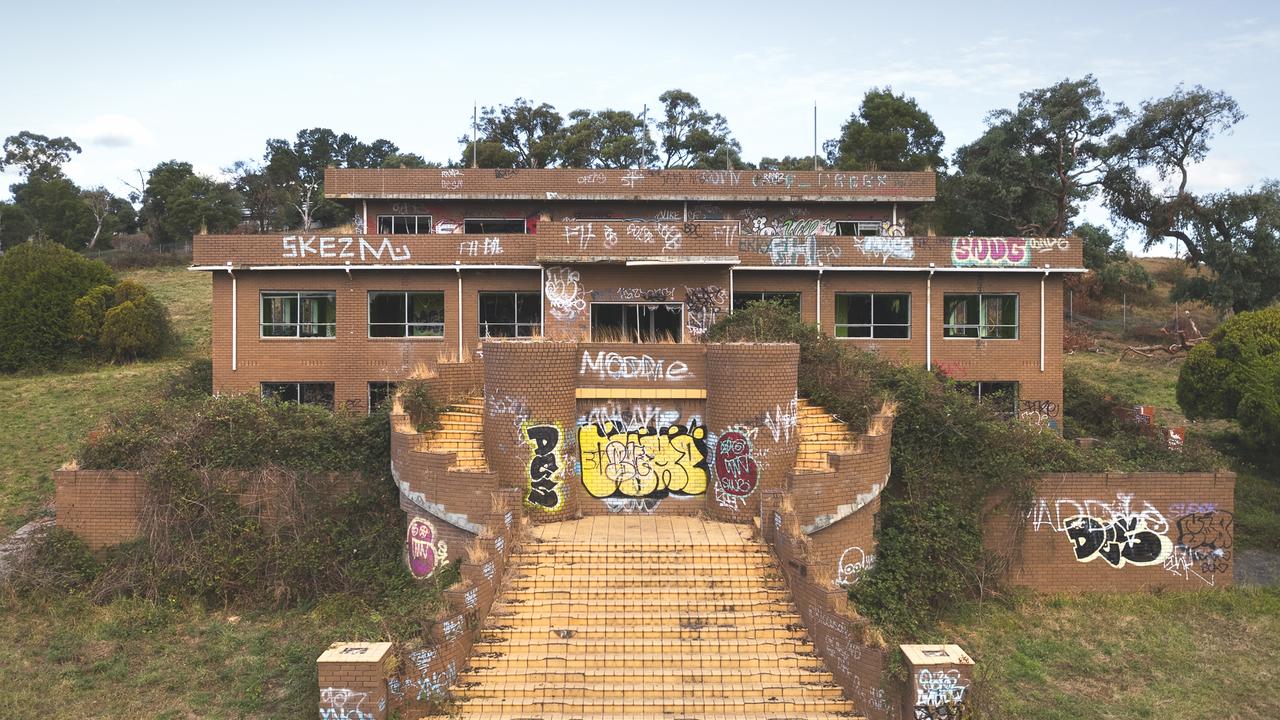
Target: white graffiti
<point>728,500</point>
<point>299,246</point>
<point>610,237</point>
<point>671,237</point>
<point>630,179</point>
<point>595,178</point>
<point>647,295</point>
<point>584,233</point>
<point>886,248</point>
<point>1055,516</point>
<point>1187,564</point>
<point>853,562</point>
<point>634,417</point>
<point>1047,244</point>
<point>641,233</point>
<point>937,688</point>
<point>487,246</point>
<point>703,305</point>
<point>666,215</point>
<point>782,422</point>
<point>451,179</point>
<point>613,366</point>
<point>631,504</point>
<point>338,700</point>
<point>564,293</point>
<point>728,232</point>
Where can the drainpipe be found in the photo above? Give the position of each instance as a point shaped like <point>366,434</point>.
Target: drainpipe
<point>364,213</point>
<point>542,304</point>
<point>1042,279</point>
<point>819,299</point>
<point>234,330</point>
<point>730,289</point>
<point>895,213</point>
<point>458,269</point>
<point>928,319</point>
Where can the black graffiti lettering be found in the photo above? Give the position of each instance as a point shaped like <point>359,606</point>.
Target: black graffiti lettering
<point>951,710</point>
<point>1207,538</point>
<point>544,486</point>
<point>1123,540</point>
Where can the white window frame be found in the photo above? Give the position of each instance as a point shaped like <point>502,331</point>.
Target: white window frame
<point>515,323</point>
<point>669,303</point>
<point>417,224</point>
<point>297,390</point>
<point>874,225</point>
<point>298,295</point>
<point>873,324</point>
<point>406,324</point>
<point>523,220</point>
<point>1017,317</point>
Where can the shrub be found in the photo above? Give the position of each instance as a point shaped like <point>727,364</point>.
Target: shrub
<point>134,329</point>
<point>418,403</point>
<point>1236,375</point>
<point>55,561</point>
<point>39,285</point>
<point>194,381</point>
<point>88,314</point>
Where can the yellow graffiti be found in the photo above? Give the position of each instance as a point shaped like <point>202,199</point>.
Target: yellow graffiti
<point>646,462</point>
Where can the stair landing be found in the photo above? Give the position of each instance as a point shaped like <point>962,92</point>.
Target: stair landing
<point>645,617</point>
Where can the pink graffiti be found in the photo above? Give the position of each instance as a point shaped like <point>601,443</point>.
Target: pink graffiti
<point>990,252</point>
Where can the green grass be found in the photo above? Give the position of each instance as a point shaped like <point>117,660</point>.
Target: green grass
<point>44,417</point>
<point>1149,381</point>
<point>1170,656</point>
<point>67,658</point>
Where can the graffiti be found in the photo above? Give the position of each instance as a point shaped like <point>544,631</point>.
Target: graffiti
<point>703,306</point>
<point>1047,244</point>
<point>433,684</point>
<point>887,247</point>
<point>1176,437</point>
<point>595,178</point>
<point>425,552</point>
<point>729,233</point>
<point>631,505</point>
<point>564,293</point>
<point>1186,508</point>
<point>892,229</point>
<point>1206,538</point>
<point>632,418</point>
<point>773,178</point>
<point>781,423</point>
<point>648,462</point>
<point>717,177</point>
<point>448,227</point>
<point>545,469</point>
<point>342,704</point>
<point>612,366</point>
<point>299,246</point>
<point>940,694</point>
<point>853,562</point>
<point>1056,517</point>
<point>629,180</point>
<point>641,232</point>
<point>647,295</point>
<point>786,250</point>
<point>450,179</point>
<point>990,252</point>
<point>488,246</point>
<point>1042,413</point>
<point>357,222</point>
<point>736,470</point>
<point>508,405</point>
<point>1120,541</point>
<point>504,173</point>
<point>584,233</point>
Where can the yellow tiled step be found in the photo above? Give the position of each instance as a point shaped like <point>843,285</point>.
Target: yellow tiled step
<point>551,579</point>
<point>677,706</point>
<point>815,672</point>
<point>649,632</point>
<point>572,646</point>
<point>524,565</point>
<point>488,659</point>
<point>517,715</point>
<point>652,691</point>
<point>468,435</point>
<point>543,607</point>
<point>558,618</point>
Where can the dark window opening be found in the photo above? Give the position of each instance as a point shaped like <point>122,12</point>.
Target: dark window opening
<point>510,314</point>
<point>404,224</point>
<point>380,392</point>
<point>873,315</point>
<point>307,393</point>
<point>493,227</point>
<point>789,300</point>
<point>406,314</point>
<point>858,227</point>
<point>648,322</point>
<point>984,317</point>
<point>1001,395</point>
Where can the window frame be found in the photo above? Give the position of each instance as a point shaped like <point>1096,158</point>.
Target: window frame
<point>668,303</point>
<point>980,326</point>
<point>859,225</point>
<point>297,296</point>
<point>734,305</point>
<point>524,222</point>
<point>297,391</point>
<point>871,326</point>
<point>515,310</point>
<point>417,223</point>
<point>390,390</point>
<point>975,388</point>
<point>406,325</point>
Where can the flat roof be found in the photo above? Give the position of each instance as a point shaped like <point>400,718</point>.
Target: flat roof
<point>622,184</point>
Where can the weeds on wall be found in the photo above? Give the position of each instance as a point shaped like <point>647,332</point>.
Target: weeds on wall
<point>309,511</point>
<point>955,462</point>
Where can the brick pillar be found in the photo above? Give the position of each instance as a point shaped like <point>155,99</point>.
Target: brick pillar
<point>751,420</point>
<point>939,678</point>
<point>353,680</point>
<point>530,415</point>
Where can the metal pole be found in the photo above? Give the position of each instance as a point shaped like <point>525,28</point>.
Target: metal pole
<point>475,122</point>
<point>815,134</point>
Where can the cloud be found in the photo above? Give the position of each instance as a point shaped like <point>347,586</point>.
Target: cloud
<point>113,131</point>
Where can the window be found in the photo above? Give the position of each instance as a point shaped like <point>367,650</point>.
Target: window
<point>380,391</point>
<point>789,300</point>
<point>309,393</point>
<point>648,322</point>
<point>510,314</point>
<point>1001,395</point>
<point>404,224</point>
<point>858,227</point>
<point>873,315</point>
<point>406,314</point>
<point>488,226</point>
<point>305,314</point>
<point>986,317</point>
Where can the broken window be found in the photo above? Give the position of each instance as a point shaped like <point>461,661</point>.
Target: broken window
<point>404,224</point>
<point>493,226</point>
<point>858,227</point>
<point>406,314</point>
<point>380,391</point>
<point>789,300</point>
<point>644,322</point>
<point>510,314</point>
<point>985,317</point>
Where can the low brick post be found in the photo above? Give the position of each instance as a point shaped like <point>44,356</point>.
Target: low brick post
<point>353,681</point>
<point>939,680</point>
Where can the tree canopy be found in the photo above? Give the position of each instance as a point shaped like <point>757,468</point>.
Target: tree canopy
<point>888,132</point>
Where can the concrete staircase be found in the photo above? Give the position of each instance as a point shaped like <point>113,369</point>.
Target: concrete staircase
<point>820,434</point>
<point>645,617</point>
<point>460,432</point>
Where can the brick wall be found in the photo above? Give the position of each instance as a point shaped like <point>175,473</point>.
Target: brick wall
<point>100,506</point>
<point>1132,531</point>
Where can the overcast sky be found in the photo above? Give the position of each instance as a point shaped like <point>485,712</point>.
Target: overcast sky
<point>141,82</point>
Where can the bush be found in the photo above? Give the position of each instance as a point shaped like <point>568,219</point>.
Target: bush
<point>40,283</point>
<point>194,381</point>
<point>134,329</point>
<point>1236,375</point>
<point>56,561</point>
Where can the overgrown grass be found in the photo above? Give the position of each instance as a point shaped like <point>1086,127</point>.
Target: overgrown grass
<point>44,417</point>
<point>1172,656</point>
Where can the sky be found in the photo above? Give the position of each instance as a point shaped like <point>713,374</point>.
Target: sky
<point>137,83</point>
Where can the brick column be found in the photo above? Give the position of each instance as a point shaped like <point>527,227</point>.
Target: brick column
<point>939,678</point>
<point>529,422</point>
<point>353,680</point>
<point>751,420</point>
